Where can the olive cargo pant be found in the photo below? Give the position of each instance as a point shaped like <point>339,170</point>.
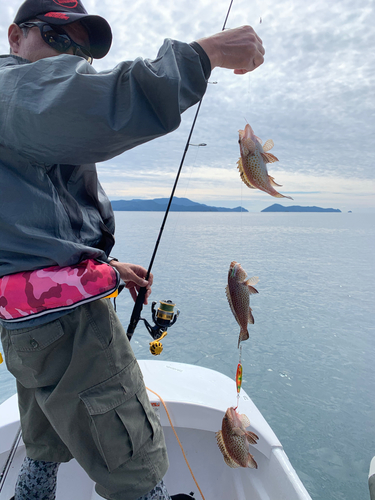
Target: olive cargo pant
<point>81,394</point>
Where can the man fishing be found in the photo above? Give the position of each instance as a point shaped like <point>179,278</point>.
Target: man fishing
<point>81,392</point>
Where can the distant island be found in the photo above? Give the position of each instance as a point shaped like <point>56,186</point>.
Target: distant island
<point>160,205</point>
<point>295,208</point>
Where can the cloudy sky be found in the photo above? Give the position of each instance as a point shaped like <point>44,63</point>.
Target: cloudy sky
<point>314,96</point>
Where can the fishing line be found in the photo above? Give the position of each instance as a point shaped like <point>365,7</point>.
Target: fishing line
<point>239,372</point>
<point>142,292</point>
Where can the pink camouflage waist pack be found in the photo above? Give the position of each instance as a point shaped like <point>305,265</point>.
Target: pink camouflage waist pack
<point>31,294</point>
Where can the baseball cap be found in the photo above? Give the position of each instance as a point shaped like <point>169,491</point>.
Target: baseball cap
<point>60,12</point>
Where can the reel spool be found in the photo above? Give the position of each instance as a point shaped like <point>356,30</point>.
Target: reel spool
<point>164,317</point>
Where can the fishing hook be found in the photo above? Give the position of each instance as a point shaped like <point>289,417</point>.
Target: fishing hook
<point>137,309</point>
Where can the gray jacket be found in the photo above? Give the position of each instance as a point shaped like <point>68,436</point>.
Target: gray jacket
<point>58,116</point>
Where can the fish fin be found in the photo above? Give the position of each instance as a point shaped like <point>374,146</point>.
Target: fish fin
<point>273,183</point>
<point>246,181</point>
<point>251,437</point>
<point>229,298</point>
<point>272,158</point>
<point>238,431</point>
<point>243,175</point>
<point>227,458</point>
<point>248,146</point>
<point>220,442</point>
<point>244,420</point>
<point>251,317</point>
<point>229,461</point>
<point>252,290</point>
<point>251,463</point>
<point>268,145</point>
<point>219,439</point>
<point>258,139</point>
<point>252,281</point>
<point>268,158</point>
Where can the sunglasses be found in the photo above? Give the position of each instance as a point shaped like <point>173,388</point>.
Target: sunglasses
<point>58,39</point>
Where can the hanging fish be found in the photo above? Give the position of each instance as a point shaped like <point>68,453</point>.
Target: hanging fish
<point>253,160</point>
<point>238,292</point>
<point>233,440</point>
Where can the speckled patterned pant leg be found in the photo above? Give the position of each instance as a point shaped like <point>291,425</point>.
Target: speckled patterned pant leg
<point>37,480</point>
<point>159,492</point>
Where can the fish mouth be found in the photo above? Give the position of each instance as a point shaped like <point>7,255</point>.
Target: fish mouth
<point>248,131</point>
<point>231,414</point>
<point>233,268</point>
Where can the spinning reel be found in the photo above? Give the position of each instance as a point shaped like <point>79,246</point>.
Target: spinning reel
<point>164,317</point>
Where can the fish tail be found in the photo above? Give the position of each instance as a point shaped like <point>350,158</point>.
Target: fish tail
<point>251,463</point>
<point>279,195</point>
<point>244,335</point>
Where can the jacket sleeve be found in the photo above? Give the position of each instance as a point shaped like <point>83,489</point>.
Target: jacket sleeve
<point>60,110</point>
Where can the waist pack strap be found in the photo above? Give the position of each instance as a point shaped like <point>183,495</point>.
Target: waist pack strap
<point>36,293</point>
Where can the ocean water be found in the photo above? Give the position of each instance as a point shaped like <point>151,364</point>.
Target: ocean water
<point>309,364</point>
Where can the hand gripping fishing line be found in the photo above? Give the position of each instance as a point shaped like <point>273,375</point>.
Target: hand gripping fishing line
<point>137,309</point>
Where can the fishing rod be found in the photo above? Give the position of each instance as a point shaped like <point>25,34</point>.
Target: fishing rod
<point>137,309</point>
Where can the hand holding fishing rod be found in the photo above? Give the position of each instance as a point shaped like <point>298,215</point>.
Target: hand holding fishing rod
<point>136,279</point>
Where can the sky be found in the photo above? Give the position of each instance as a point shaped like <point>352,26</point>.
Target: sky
<point>314,96</point>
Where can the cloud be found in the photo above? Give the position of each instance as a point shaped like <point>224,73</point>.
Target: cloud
<point>314,96</point>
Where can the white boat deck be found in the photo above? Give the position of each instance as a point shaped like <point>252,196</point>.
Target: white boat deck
<point>196,399</point>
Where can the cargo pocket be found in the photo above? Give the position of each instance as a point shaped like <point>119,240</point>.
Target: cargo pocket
<point>121,415</point>
<point>33,351</point>
<point>36,338</point>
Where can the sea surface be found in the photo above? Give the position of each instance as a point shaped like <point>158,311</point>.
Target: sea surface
<point>309,364</point>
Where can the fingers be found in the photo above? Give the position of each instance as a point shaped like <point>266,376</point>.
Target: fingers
<point>240,49</point>
<point>138,279</point>
<point>134,278</point>
<point>133,293</point>
<point>134,290</point>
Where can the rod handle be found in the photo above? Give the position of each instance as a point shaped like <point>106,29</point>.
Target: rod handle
<point>137,309</point>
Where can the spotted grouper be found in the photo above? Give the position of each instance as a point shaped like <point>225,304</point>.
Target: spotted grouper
<point>238,292</point>
<point>253,163</point>
<point>234,440</point>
